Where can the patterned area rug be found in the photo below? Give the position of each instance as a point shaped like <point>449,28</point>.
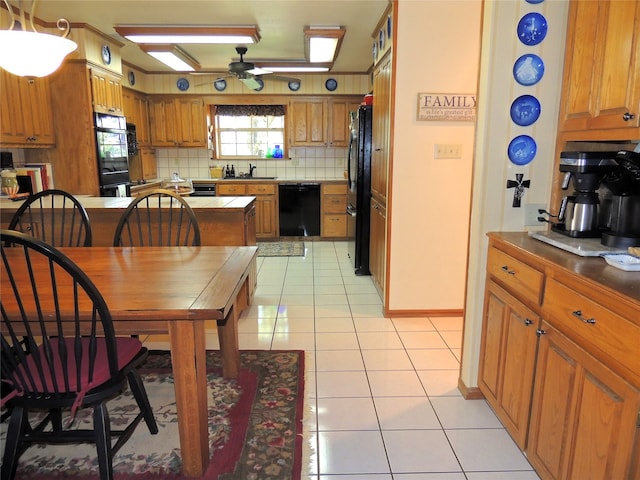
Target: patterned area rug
<point>255,426</point>
<point>280,249</point>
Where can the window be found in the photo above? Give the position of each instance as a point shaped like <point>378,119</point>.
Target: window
<point>248,131</point>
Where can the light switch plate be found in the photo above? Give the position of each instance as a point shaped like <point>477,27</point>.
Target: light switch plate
<point>447,150</point>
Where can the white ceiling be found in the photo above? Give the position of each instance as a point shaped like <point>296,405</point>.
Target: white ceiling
<point>280,23</point>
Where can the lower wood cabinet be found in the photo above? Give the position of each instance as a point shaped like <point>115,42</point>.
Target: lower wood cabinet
<point>266,211</point>
<point>378,245</point>
<point>508,356</point>
<point>560,358</point>
<point>584,416</point>
<point>334,210</point>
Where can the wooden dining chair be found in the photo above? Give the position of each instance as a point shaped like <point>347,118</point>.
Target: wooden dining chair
<point>54,216</point>
<point>157,218</point>
<point>71,359</point>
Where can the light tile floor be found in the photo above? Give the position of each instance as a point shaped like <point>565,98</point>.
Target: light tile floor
<point>382,392</point>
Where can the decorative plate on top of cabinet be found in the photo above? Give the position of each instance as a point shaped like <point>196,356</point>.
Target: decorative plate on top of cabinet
<point>389,26</point>
<point>294,85</point>
<point>182,84</point>
<point>331,84</point>
<point>528,69</point>
<point>106,54</point>
<point>532,28</point>
<point>220,84</point>
<point>132,78</point>
<point>375,51</point>
<point>381,38</point>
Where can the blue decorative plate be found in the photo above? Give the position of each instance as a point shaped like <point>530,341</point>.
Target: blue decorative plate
<point>522,149</point>
<point>532,28</point>
<point>528,69</point>
<point>525,110</point>
<point>331,84</point>
<point>182,84</point>
<point>294,86</point>
<point>220,84</point>
<point>534,1</point>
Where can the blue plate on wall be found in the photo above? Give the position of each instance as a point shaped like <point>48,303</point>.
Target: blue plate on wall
<point>522,149</point>
<point>528,69</point>
<point>525,110</point>
<point>534,1</point>
<point>532,28</point>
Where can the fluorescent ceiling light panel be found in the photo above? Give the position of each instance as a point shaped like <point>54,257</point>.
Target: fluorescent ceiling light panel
<point>173,57</point>
<point>299,69</point>
<point>323,43</point>
<point>158,34</point>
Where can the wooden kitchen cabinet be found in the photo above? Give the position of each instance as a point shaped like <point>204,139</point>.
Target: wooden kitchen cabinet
<point>377,245</point>
<point>106,92</point>
<point>307,120</point>
<point>601,84</point>
<point>338,128</point>
<point>584,416</point>
<point>136,109</point>
<point>559,359</point>
<point>381,129</point>
<point>177,122</point>
<point>144,165</point>
<point>334,208</point>
<point>26,118</point>
<point>507,359</point>
<point>266,208</point>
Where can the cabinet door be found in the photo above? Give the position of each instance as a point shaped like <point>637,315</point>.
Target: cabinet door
<point>381,129</point>
<point>378,245</point>
<point>106,91</point>
<point>338,135</point>
<point>307,123</point>
<point>26,119</point>
<point>584,416</point>
<point>507,359</point>
<point>266,208</point>
<point>192,126</point>
<point>136,109</point>
<point>162,120</point>
<point>601,87</point>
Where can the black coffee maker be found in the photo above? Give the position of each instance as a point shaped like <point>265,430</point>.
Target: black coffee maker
<point>579,214</point>
<point>621,207</point>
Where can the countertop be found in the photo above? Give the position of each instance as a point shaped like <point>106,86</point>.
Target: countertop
<point>618,282</point>
<point>96,203</point>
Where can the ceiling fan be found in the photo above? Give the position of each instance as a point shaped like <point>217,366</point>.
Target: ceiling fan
<point>250,75</point>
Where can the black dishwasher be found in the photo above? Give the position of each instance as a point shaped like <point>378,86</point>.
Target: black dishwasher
<point>299,209</point>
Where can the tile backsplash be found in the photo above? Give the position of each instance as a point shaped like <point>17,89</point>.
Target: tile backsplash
<point>304,163</point>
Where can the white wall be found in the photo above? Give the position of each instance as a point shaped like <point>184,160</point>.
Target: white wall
<point>491,202</point>
<point>437,50</point>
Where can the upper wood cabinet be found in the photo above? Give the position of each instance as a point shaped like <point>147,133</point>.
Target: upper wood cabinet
<point>307,123</point>
<point>601,85</point>
<point>381,133</point>
<point>26,118</point>
<point>338,131</point>
<point>177,122</point>
<point>136,109</point>
<point>106,92</point>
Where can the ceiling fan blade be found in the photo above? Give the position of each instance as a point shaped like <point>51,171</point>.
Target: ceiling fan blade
<point>250,82</point>
<point>283,79</point>
<point>258,71</point>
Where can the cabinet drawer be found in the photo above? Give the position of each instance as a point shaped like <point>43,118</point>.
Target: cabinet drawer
<point>603,333</point>
<point>334,189</point>
<point>266,189</point>
<point>231,189</point>
<point>521,279</point>
<point>335,204</point>
<point>334,226</point>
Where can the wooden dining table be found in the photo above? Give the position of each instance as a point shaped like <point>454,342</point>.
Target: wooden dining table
<point>176,290</point>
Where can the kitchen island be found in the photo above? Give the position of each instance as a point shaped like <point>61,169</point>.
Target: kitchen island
<point>222,220</point>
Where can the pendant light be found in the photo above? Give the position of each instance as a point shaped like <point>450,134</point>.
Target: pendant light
<point>31,53</point>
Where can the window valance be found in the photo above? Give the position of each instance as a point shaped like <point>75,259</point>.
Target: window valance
<point>250,110</point>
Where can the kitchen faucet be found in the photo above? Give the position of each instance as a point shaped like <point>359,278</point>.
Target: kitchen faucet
<point>251,169</point>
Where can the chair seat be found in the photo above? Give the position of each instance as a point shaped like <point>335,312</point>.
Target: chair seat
<point>54,381</point>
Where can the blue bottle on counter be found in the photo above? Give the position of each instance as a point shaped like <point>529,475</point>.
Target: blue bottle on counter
<point>277,152</point>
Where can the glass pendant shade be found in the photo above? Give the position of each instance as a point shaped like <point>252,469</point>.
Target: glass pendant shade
<point>33,54</point>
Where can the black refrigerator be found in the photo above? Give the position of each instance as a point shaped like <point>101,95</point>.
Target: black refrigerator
<point>359,195</point>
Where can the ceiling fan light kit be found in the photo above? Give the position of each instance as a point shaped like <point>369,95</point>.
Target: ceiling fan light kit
<point>31,53</point>
<point>166,34</point>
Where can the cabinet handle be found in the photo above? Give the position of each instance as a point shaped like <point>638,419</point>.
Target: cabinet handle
<point>378,150</point>
<point>527,322</point>
<point>540,332</point>
<point>506,269</point>
<point>578,314</point>
<point>628,116</point>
